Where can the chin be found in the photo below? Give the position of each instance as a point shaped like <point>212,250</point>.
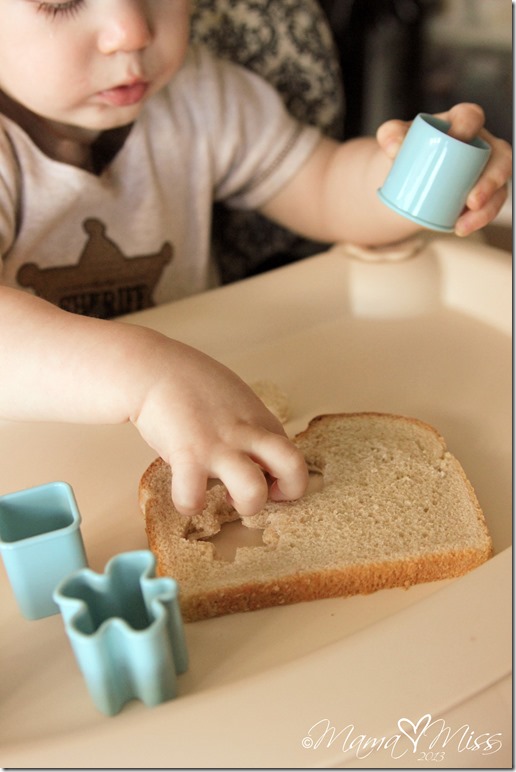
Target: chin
<point>97,120</point>
<point>114,120</point>
<point>116,123</point>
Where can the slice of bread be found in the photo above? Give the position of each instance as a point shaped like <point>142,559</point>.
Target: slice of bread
<point>395,508</point>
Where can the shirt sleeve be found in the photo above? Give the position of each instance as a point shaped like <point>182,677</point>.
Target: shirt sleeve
<point>256,146</point>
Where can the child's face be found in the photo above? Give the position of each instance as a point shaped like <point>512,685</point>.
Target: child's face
<point>90,63</point>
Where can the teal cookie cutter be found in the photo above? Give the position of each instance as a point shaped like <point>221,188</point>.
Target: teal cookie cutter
<point>126,631</point>
<point>40,543</point>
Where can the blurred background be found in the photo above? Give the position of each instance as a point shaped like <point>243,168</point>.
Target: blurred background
<point>400,57</point>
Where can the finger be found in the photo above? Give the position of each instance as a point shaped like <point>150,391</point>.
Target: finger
<point>390,136</point>
<point>495,175</point>
<point>245,482</point>
<point>473,220</point>
<point>189,483</point>
<point>284,462</point>
<point>466,120</point>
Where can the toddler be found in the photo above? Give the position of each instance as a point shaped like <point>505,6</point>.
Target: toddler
<point>116,137</point>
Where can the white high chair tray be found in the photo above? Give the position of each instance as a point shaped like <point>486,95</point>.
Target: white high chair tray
<point>425,671</point>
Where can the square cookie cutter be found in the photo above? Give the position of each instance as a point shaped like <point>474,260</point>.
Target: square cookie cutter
<point>40,543</point>
<point>126,630</point>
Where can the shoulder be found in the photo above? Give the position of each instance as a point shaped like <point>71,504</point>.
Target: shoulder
<point>210,95</point>
<point>200,63</point>
<point>207,78</point>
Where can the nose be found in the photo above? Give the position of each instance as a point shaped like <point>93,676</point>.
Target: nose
<point>125,27</point>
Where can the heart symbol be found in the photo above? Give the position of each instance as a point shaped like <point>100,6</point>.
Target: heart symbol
<point>414,732</point>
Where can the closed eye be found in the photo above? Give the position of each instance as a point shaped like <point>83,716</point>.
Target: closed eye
<point>69,8</point>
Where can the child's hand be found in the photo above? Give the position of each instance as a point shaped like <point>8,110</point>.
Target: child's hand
<point>487,197</point>
<point>198,415</point>
<point>206,423</point>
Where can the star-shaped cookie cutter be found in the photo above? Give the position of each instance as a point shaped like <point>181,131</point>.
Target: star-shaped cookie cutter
<point>126,631</point>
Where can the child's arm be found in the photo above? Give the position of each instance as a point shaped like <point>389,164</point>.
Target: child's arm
<point>198,415</point>
<point>333,196</point>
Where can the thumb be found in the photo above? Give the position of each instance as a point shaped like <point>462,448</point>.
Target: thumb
<point>390,136</point>
<point>466,120</point>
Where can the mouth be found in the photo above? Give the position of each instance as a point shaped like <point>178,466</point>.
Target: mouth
<point>124,95</point>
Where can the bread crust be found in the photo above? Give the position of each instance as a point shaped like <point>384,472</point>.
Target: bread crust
<point>277,574</point>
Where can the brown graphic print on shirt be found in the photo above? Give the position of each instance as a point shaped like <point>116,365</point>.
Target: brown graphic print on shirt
<point>104,283</point>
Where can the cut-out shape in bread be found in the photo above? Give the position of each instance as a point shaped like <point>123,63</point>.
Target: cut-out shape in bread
<point>392,508</point>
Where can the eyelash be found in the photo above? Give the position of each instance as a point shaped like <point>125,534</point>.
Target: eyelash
<point>53,10</point>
